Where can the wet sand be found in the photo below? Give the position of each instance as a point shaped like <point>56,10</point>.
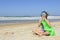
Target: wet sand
<point>23,31</point>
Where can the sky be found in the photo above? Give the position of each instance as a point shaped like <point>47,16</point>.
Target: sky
<point>29,7</point>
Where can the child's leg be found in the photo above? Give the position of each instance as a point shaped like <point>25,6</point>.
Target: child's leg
<point>38,32</point>
<point>46,33</point>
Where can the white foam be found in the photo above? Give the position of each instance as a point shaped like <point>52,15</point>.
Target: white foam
<point>27,18</point>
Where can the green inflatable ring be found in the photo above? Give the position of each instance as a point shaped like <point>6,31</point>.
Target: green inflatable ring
<point>48,28</point>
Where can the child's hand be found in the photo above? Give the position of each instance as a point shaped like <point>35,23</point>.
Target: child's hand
<point>43,18</point>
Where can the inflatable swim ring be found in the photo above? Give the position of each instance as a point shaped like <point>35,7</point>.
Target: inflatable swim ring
<point>48,28</point>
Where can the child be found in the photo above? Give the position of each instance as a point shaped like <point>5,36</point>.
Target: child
<point>44,26</point>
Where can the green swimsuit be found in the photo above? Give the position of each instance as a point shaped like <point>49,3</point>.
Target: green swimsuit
<point>48,28</point>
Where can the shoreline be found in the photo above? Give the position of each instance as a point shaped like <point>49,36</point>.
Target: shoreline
<point>26,23</point>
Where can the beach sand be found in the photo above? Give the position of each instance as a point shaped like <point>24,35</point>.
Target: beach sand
<point>23,31</point>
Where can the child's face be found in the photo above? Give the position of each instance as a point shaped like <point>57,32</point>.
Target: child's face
<point>44,16</point>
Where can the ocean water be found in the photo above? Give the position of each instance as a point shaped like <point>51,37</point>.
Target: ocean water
<point>8,20</point>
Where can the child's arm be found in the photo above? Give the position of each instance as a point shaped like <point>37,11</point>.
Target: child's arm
<point>48,22</point>
<point>39,24</point>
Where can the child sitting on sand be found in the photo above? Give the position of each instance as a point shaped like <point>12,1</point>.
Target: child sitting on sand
<point>44,26</point>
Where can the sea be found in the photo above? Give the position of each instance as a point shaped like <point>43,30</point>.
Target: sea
<point>14,19</point>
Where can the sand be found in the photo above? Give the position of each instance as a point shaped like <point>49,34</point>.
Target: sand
<point>23,31</point>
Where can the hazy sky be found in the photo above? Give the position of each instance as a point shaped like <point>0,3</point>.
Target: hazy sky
<point>29,7</point>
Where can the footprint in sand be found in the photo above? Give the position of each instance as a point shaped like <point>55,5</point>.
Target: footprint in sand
<point>8,33</point>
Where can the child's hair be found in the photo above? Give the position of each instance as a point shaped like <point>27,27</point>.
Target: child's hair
<point>44,13</point>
